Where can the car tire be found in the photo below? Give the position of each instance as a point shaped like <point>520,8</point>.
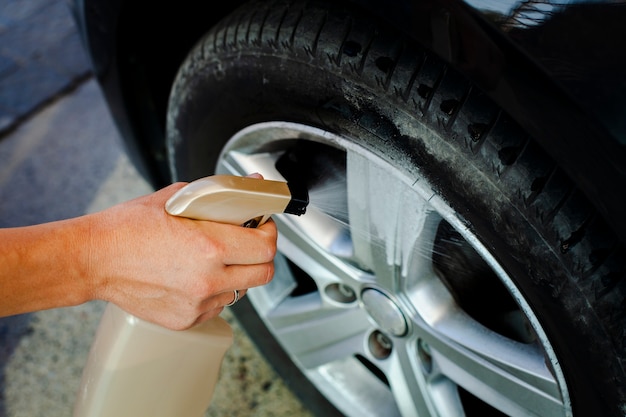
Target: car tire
<point>312,82</point>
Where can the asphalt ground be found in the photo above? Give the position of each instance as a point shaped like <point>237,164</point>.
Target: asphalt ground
<point>60,157</point>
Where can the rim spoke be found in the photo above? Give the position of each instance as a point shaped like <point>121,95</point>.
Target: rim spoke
<point>508,375</point>
<point>445,395</point>
<point>369,219</point>
<point>235,162</point>
<point>407,384</point>
<point>384,242</point>
<point>316,335</point>
<point>312,257</point>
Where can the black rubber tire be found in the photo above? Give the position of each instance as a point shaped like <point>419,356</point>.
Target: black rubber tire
<point>324,65</point>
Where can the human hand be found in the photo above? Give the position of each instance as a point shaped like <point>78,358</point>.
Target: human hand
<point>174,271</point>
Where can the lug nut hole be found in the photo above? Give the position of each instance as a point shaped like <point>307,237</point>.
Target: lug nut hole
<point>425,356</point>
<point>341,293</point>
<point>380,345</point>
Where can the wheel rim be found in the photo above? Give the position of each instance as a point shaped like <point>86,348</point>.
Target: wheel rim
<point>379,332</point>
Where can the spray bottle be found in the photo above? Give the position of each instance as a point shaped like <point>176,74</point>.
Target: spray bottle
<point>139,369</point>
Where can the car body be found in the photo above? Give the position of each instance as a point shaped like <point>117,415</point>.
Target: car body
<point>557,68</point>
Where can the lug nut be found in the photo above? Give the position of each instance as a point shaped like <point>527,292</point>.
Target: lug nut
<point>380,345</point>
<point>340,293</point>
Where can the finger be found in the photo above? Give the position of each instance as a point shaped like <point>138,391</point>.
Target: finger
<point>249,276</point>
<point>237,277</point>
<point>243,246</point>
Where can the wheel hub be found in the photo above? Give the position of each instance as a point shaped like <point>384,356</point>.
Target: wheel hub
<point>384,312</point>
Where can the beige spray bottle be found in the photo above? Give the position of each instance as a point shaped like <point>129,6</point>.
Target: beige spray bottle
<point>139,369</point>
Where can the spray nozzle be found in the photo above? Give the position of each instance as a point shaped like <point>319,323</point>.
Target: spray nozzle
<point>299,199</point>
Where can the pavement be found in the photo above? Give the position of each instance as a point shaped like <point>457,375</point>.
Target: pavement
<point>41,57</point>
<point>60,157</point>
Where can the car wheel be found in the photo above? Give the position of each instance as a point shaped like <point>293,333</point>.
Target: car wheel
<point>446,266</point>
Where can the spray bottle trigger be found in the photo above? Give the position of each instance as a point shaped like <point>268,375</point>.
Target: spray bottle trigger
<point>256,222</point>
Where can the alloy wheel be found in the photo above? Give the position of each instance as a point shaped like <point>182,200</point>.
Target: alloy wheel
<point>366,298</point>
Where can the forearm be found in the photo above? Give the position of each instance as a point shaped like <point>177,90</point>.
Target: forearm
<point>169,270</point>
<point>44,266</point>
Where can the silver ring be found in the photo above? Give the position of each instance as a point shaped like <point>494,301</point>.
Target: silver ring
<point>234,299</point>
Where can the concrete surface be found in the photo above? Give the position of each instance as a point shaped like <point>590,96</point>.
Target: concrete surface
<point>40,56</point>
<point>60,156</point>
